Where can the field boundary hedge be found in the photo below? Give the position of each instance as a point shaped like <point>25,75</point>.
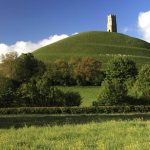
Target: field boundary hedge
<point>75,110</point>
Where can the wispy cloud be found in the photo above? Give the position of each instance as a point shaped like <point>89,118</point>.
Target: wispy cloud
<point>28,46</point>
<point>144,25</point>
<point>126,30</point>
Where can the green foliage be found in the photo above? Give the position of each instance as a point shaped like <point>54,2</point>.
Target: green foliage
<point>121,68</point>
<point>120,78</point>
<point>130,83</point>
<point>112,92</point>
<point>76,110</point>
<point>72,99</point>
<point>65,71</point>
<point>88,71</point>
<point>84,71</point>
<point>59,72</point>
<point>141,88</point>
<point>25,67</point>
<point>7,65</point>
<point>40,94</point>
<point>27,95</point>
<point>32,88</point>
<point>7,92</point>
<point>49,95</point>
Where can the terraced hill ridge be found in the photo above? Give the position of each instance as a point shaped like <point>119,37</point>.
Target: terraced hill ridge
<point>96,44</point>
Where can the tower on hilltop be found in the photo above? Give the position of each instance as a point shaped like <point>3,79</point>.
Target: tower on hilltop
<point>111,23</point>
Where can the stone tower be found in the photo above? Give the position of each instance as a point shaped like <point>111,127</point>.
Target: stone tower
<point>111,23</point>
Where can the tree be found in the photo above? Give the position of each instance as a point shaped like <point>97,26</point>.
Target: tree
<point>25,67</point>
<point>7,92</point>
<point>40,94</point>
<point>88,71</point>
<point>121,68</point>
<point>60,73</point>
<point>27,95</point>
<point>112,92</point>
<point>49,95</point>
<point>141,88</point>
<point>7,64</point>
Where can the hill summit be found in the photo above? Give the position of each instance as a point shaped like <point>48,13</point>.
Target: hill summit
<point>94,44</point>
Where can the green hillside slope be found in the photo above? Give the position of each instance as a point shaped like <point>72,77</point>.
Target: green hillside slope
<point>97,44</point>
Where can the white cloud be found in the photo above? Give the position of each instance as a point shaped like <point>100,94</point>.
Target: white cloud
<point>144,24</point>
<point>51,40</point>
<point>25,47</point>
<point>125,30</point>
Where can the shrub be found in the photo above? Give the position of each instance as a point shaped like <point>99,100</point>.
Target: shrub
<point>112,92</point>
<point>27,95</point>
<point>141,88</point>
<point>75,110</point>
<point>129,83</point>
<point>72,99</point>
<point>49,95</point>
<point>7,92</point>
<point>40,93</point>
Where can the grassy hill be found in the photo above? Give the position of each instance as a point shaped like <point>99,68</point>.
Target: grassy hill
<point>101,45</point>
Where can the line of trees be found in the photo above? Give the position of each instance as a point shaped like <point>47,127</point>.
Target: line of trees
<point>26,81</point>
<point>83,71</point>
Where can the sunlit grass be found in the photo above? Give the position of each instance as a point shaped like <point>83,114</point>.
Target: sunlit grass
<point>88,93</point>
<point>109,135</point>
<point>102,45</point>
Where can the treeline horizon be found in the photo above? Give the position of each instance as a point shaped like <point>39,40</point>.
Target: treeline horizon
<point>27,81</point>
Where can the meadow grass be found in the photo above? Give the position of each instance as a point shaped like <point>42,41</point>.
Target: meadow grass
<point>88,93</point>
<point>107,135</point>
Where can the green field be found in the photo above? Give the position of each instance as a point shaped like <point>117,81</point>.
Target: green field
<point>104,132</point>
<point>74,131</point>
<point>88,93</point>
<point>102,45</point>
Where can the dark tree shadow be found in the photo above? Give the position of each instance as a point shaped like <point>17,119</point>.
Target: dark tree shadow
<point>18,121</point>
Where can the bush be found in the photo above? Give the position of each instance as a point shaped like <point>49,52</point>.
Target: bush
<point>112,92</point>
<point>7,92</point>
<point>27,95</point>
<point>130,83</point>
<point>76,110</point>
<point>40,93</point>
<point>141,88</point>
<point>72,99</point>
<point>120,77</point>
<point>30,96</point>
<point>49,95</point>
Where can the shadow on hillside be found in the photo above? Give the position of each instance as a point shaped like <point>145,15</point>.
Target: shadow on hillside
<point>18,121</point>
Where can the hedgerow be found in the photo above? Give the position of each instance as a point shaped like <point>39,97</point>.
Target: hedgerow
<point>75,110</point>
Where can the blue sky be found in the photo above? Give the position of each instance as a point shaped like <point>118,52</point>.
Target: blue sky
<point>32,20</point>
<point>40,20</point>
